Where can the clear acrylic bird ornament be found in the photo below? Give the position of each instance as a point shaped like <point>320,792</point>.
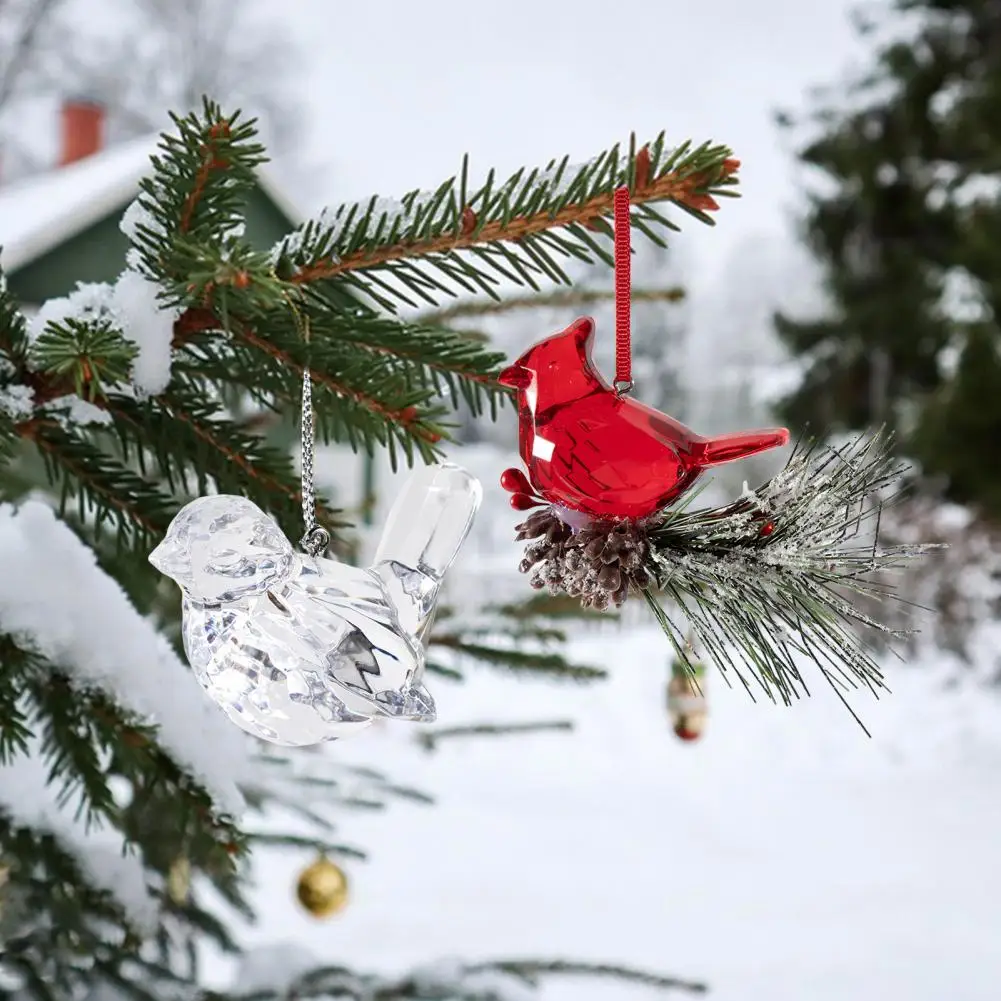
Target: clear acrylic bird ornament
<point>297,648</point>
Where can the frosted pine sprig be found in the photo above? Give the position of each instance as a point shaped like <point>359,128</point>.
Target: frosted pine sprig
<point>767,582</point>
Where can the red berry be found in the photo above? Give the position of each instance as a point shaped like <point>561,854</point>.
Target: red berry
<point>514,481</point>
<point>522,502</point>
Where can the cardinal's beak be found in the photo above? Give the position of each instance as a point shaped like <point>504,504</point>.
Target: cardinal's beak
<point>515,376</point>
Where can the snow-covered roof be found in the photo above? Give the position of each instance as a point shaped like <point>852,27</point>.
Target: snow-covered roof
<point>38,213</point>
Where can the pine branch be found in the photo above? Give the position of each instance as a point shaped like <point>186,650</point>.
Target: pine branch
<point>554,299</point>
<point>320,846</point>
<point>15,663</point>
<point>490,981</point>
<point>430,243</point>
<point>196,192</point>
<point>429,354</point>
<point>102,486</point>
<point>514,659</point>
<point>522,637</point>
<point>82,358</point>
<point>362,404</point>
<point>558,607</point>
<point>13,329</point>
<point>192,443</point>
<point>532,970</point>
<point>430,739</point>
<point>73,716</point>
<point>52,911</point>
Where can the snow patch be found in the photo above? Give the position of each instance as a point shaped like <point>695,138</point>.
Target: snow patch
<point>72,410</point>
<point>149,326</point>
<point>32,801</point>
<point>55,599</point>
<point>273,968</point>
<point>89,302</point>
<point>17,402</point>
<point>131,305</point>
<point>137,217</point>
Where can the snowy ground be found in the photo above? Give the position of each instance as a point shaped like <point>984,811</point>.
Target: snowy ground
<point>785,857</point>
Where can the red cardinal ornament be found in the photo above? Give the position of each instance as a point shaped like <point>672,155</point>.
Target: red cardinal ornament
<point>592,450</point>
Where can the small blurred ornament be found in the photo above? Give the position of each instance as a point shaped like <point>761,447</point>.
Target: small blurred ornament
<point>686,697</point>
<point>323,888</point>
<point>179,880</point>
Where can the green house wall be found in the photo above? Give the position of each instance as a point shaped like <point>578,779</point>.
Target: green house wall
<point>97,254</point>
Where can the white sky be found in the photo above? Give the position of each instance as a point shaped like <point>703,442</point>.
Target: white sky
<point>398,91</point>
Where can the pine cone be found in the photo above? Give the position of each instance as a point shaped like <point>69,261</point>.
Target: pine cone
<point>543,524</point>
<point>544,556</point>
<point>612,560</point>
<point>598,565</point>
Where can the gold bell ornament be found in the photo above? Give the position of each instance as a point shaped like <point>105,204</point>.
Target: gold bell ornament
<point>686,697</point>
<point>322,888</point>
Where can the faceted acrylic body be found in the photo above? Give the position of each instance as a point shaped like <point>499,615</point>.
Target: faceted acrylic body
<point>591,450</point>
<point>298,650</point>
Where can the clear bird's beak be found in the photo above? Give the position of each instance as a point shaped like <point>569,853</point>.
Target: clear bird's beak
<point>159,558</point>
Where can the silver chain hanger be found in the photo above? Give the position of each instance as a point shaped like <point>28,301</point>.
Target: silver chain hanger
<point>316,539</point>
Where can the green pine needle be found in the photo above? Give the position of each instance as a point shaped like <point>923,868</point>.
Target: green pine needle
<point>765,583</point>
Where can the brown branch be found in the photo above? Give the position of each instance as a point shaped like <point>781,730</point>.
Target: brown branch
<point>32,430</point>
<point>197,320</point>
<point>202,432</point>
<point>269,482</point>
<point>211,161</point>
<point>670,187</point>
<point>408,416</point>
<point>194,321</point>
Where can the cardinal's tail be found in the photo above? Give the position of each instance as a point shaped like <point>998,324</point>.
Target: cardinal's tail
<point>741,444</point>
<point>426,526</point>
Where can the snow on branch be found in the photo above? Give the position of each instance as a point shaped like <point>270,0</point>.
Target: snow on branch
<point>57,600</point>
<point>131,307</point>
<point>31,801</point>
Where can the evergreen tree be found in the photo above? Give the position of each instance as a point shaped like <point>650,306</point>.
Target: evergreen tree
<point>906,229</point>
<point>121,403</point>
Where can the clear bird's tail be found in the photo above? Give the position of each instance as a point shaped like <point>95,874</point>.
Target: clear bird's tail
<point>741,444</point>
<point>426,526</point>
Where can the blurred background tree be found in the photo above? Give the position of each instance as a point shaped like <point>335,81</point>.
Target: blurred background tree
<point>903,216</point>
